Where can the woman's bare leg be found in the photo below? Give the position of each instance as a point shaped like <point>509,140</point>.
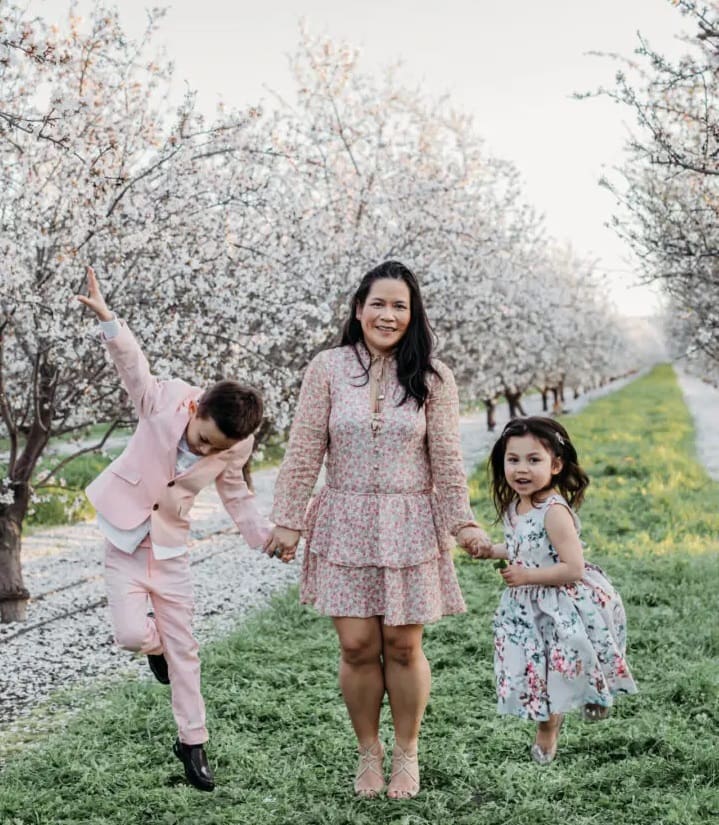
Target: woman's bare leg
<point>362,683</point>
<point>408,681</point>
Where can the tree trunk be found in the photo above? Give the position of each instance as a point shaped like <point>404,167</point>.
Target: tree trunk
<point>545,399</point>
<point>491,410</point>
<point>13,594</point>
<point>515,405</point>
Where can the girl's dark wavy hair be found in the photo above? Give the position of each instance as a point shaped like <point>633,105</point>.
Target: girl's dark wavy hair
<point>414,351</point>
<point>571,480</point>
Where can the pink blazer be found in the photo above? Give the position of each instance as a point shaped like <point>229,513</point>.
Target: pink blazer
<point>141,482</point>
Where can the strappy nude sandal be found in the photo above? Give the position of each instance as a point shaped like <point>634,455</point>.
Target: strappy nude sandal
<point>407,763</point>
<point>370,761</point>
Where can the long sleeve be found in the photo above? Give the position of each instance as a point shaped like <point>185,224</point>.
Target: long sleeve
<point>309,437</point>
<point>445,452</point>
<point>146,392</point>
<point>240,502</point>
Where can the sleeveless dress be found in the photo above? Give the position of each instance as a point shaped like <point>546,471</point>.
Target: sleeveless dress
<point>556,647</point>
<point>379,534</point>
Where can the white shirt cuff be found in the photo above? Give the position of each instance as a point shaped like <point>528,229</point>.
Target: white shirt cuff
<point>110,328</point>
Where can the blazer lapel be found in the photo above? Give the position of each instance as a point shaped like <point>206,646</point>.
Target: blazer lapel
<point>177,427</point>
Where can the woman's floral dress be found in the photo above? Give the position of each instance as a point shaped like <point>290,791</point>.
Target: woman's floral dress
<point>379,534</point>
<point>556,647</point>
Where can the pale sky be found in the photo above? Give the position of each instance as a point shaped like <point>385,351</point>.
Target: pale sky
<point>513,66</point>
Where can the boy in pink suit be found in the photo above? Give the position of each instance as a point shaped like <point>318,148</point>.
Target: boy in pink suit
<point>185,439</point>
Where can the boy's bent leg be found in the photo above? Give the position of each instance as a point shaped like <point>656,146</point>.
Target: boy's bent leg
<point>127,590</point>
<point>173,603</point>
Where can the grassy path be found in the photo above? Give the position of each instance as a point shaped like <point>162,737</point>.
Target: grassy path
<point>281,744</point>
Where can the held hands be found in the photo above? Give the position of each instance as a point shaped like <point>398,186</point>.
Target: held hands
<point>94,299</point>
<point>282,543</point>
<point>475,541</point>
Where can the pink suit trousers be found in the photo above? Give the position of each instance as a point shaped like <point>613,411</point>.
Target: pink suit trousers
<point>130,579</point>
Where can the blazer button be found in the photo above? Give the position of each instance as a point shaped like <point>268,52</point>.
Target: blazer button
<point>155,506</point>
<point>170,483</point>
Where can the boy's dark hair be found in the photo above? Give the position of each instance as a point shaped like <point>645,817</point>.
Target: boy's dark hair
<point>234,407</point>
<point>571,480</point>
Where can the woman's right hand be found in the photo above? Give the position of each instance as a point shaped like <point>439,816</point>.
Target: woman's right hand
<point>282,543</point>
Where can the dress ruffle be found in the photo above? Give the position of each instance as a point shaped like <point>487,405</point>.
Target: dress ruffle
<point>379,534</point>
<point>374,534</point>
<point>558,648</point>
<point>419,594</point>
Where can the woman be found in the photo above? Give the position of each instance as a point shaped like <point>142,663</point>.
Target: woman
<point>379,535</point>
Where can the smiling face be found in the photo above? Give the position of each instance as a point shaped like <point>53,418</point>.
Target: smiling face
<point>203,436</point>
<point>385,315</point>
<point>529,466</point>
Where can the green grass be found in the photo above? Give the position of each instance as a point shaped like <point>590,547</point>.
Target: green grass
<point>281,742</point>
<point>66,504</point>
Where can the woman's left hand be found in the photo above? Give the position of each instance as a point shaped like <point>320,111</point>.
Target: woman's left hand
<point>475,541</point>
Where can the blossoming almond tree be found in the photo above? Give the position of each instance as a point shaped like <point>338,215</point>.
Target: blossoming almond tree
<point>232,246</point>
<point>669,184</point>
<point>140,195</point>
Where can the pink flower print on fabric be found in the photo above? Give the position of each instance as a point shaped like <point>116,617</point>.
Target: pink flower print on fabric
<point>379,535</point>
<point>582,626</point>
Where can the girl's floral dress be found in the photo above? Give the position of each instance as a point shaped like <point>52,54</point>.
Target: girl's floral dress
<point>379,534</point>
<point>556,647</point>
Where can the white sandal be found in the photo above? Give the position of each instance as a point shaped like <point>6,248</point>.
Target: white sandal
<point>594,713</point>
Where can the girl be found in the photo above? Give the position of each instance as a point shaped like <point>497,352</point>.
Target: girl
<point>560,628</point>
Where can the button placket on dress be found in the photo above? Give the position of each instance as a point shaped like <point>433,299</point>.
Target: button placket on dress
<point>378,392</point>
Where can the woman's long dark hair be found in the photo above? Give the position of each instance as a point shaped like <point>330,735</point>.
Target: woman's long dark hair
<point>571,480</point>
<point>414,351</point>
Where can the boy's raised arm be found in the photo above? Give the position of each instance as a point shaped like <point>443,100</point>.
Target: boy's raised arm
<point>141,385</point>
<point>94,300</point>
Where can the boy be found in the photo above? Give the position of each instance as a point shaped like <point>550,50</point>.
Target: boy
<point>185,439</point>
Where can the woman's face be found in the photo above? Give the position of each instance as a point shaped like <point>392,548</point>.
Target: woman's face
<point>385,315</point>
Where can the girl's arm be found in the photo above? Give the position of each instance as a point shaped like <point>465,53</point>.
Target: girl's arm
<point>562,532</point>
<point>499,551</point>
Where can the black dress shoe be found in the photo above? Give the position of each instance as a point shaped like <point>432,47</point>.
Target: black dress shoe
<point>158,665</point>
<point>197,770</point>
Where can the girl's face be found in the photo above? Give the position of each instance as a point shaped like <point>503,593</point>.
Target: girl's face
<point>529,465</point>
<point>385,315</point>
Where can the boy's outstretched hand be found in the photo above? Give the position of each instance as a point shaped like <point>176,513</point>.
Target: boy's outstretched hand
<point>94,299</point>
